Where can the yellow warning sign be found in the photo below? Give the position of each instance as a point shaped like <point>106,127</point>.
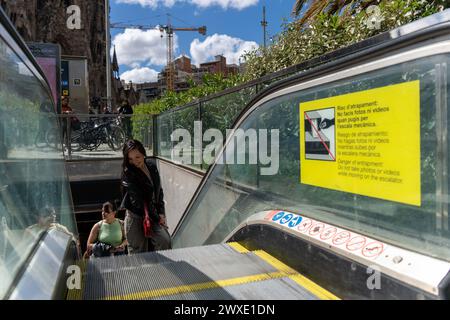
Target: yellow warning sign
<point>366,143</point>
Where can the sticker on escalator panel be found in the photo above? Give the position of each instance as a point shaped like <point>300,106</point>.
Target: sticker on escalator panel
<point>356,243</point>
<point>373,249</point>
<point>286,218</point>
<point>295,222</point>
<point>328,233</point>
<point>278,216</point>
<point>341,238</point>
<point>316,229</point>
<point>365,143</point>
<point>305,225</point>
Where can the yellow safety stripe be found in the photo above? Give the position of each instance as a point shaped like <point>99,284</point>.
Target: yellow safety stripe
<point>290,273</point>
<point>157,293</point>
<point>311,286</point>
<point>238,247</point>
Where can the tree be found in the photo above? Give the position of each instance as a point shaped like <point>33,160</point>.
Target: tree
<point>312,8</point>
<point>325,32</point>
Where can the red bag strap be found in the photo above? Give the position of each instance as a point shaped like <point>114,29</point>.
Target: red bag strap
<point>146,209</point>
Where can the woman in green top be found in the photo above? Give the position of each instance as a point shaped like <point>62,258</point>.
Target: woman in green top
<point>107,236</point>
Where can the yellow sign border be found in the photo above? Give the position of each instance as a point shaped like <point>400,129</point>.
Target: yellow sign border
<point>396,175</point>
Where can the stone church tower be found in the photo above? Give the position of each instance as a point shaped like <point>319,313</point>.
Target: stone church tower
<point>46,21</point>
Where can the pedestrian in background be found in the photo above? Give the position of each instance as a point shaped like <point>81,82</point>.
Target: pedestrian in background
<point>126,110</point>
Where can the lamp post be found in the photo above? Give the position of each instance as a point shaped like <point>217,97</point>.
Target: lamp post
<point>108,58</point>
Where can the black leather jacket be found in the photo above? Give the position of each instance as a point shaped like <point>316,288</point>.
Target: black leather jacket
<point>137,188</point>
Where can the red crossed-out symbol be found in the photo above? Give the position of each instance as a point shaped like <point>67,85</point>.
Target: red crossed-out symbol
<point>304,225</point>
<point>341,238</point>
<point>320,136</point>
<point>356,243</point>
<point>316,229</point>
<point>373,249</point>
<point>328,233</point>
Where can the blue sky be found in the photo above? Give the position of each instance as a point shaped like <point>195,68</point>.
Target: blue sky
<point>233,26</point>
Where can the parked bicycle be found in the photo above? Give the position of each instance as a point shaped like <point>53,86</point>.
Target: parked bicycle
<point>91,135</point>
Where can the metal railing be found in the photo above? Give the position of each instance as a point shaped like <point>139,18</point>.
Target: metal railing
<point>217,111</point>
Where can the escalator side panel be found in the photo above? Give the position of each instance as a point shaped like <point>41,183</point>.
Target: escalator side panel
<point>345,278</point>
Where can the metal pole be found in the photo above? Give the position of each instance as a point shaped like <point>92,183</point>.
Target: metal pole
<point>155,144</point>
<point>441,148</point>
<point>170,67</point>
<point>264,25</point>
<point>69,136</point>
<point>108,58</point>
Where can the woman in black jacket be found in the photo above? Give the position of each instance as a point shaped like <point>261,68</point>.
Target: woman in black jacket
<point>141,186</point>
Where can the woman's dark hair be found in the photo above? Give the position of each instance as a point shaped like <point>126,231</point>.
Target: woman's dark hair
<point>108,206</point>
<point>127,147</point>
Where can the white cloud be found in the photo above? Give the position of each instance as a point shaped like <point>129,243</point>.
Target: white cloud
<point>136,46</point>
<point>220,44</point>
<point>140,75</point>
<point>225,4</point>
<point>145,3</point>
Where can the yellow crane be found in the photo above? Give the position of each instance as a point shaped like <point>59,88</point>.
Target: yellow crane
<point>169,30</point>
<point>170,71</point>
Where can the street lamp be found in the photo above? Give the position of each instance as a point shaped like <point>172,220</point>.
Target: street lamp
<point>108,58</point>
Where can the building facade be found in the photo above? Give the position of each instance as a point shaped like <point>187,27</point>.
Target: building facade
<point>46,21</point>
<point>185,74</point>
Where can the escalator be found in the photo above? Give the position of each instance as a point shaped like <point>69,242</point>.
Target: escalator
<point>215,272</point>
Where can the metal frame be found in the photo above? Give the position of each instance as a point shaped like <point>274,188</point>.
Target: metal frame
<point>442,147</point>
<point>410,269</point>
<point>25,276</point>
<point>402,274</point>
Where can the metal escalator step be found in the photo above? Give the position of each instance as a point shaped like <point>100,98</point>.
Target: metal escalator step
<point>185,254</point>
<point>208,272</point>
<point>273,289</point>
<point>132,281</point>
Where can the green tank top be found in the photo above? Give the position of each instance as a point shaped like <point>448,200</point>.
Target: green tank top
<point>110,233</point>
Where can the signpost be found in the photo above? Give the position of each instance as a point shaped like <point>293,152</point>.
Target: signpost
<point>65,87</point>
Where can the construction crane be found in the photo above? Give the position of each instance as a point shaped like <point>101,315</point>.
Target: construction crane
<point>170,71</point>
<point>169,30</point>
